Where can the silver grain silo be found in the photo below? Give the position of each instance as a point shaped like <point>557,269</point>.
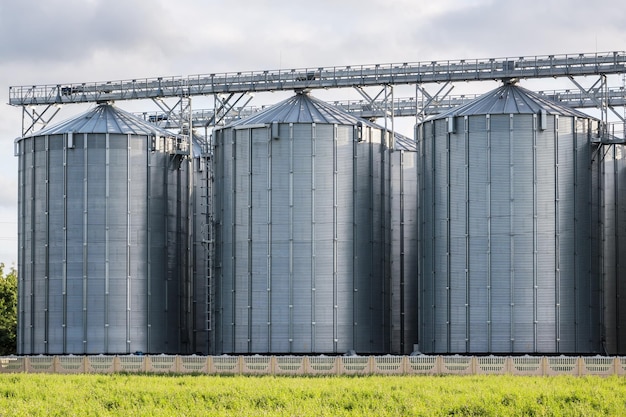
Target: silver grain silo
<point>403,257</point>
<point>610,198</point>
<point>299,233</point>
<point>102,234</point>
<point>505,228</point>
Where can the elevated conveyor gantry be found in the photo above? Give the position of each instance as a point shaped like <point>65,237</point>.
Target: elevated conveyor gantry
<point>232,86</point>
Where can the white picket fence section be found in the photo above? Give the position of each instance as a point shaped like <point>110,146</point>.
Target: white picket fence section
<point>318,365</point>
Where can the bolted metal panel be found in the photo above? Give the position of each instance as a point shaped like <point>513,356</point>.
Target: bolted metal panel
<point>295,225</point>
<point>505,259</point>
<point>93,278</point>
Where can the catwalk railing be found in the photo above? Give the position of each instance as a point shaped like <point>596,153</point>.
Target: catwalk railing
<point>406,73</point>
<point>319,365</point>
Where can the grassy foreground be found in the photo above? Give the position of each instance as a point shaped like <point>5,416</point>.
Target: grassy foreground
<point>144,395</point>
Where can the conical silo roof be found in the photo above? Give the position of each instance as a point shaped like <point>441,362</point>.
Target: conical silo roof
<point>301,108</point>
<point>511,99</point>
<point>105,118</point>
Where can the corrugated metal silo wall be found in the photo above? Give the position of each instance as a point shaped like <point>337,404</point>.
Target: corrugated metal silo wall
<point>505,240</point>
<point>403,250</point>
<point>93,250</point>
<point>610,167</point>
<point>299,259</point>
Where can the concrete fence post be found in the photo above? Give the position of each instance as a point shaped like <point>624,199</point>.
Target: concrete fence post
<point>305,365</point>
<point>581,366</point>
<point>273,365</point>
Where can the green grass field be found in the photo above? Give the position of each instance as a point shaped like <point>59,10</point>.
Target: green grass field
<point>167,395</point>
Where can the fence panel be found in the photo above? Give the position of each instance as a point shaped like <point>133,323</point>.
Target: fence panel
<point>161,363</point>
<point>322,365</point>
<point>70,364</point>
<point>526,365</point>
<point>100,364</point>
<point>225,365</point>
<point>194,364</point>
<point>257,365</point>
<point>562,365</point>
<point>130,363</point>
<point>388,365</point>
<point>598,365</point>
<point>9,365</point>
<point>289,365</point>
<point>38,364</point>
<point>461,365</point>
<point>491,365</point>
<point>355,365</point>
<point>422,364</point>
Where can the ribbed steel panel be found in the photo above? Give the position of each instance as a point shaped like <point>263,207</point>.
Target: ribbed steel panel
<point>94,274</point>
<point>293,205</point>
<point>505,242</point>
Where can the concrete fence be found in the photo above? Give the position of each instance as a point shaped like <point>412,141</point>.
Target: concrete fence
<point>319,365</point>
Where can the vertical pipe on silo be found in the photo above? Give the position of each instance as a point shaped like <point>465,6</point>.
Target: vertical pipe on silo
<point>575,230</point>
<point>107,166</point>
<point>402,260</point>
<point>21,288</point>
<point>372,204</point>
<point>557,236</point>
<point>335,232</point>
<point>269,242</point>
<point>151,148</point>
<point>47,247</point>
<point>488,204</point>
<point>33,245</point>
<point>128,243</point>
<point>85,238</point>
<point>354,238</point>
<point>535,237</point>
<point>616,266</point>
<point>313,237</point>
<point>385,166</point>
<point>433,220</point>
<point>291,231</point>
<point>595,193</point>
<point>249,274</point>
<point>233,275</point>
<point>467,234</point>
<point>65,242</point>
<point>419,137</point>
<point>511,214</point>
<point>448,248</point>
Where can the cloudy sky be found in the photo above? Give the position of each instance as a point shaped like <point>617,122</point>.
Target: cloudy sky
<point>73,41</point>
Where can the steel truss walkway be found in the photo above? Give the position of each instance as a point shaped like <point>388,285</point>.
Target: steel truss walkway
<point>229,90</point>
<point>333,77</point>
